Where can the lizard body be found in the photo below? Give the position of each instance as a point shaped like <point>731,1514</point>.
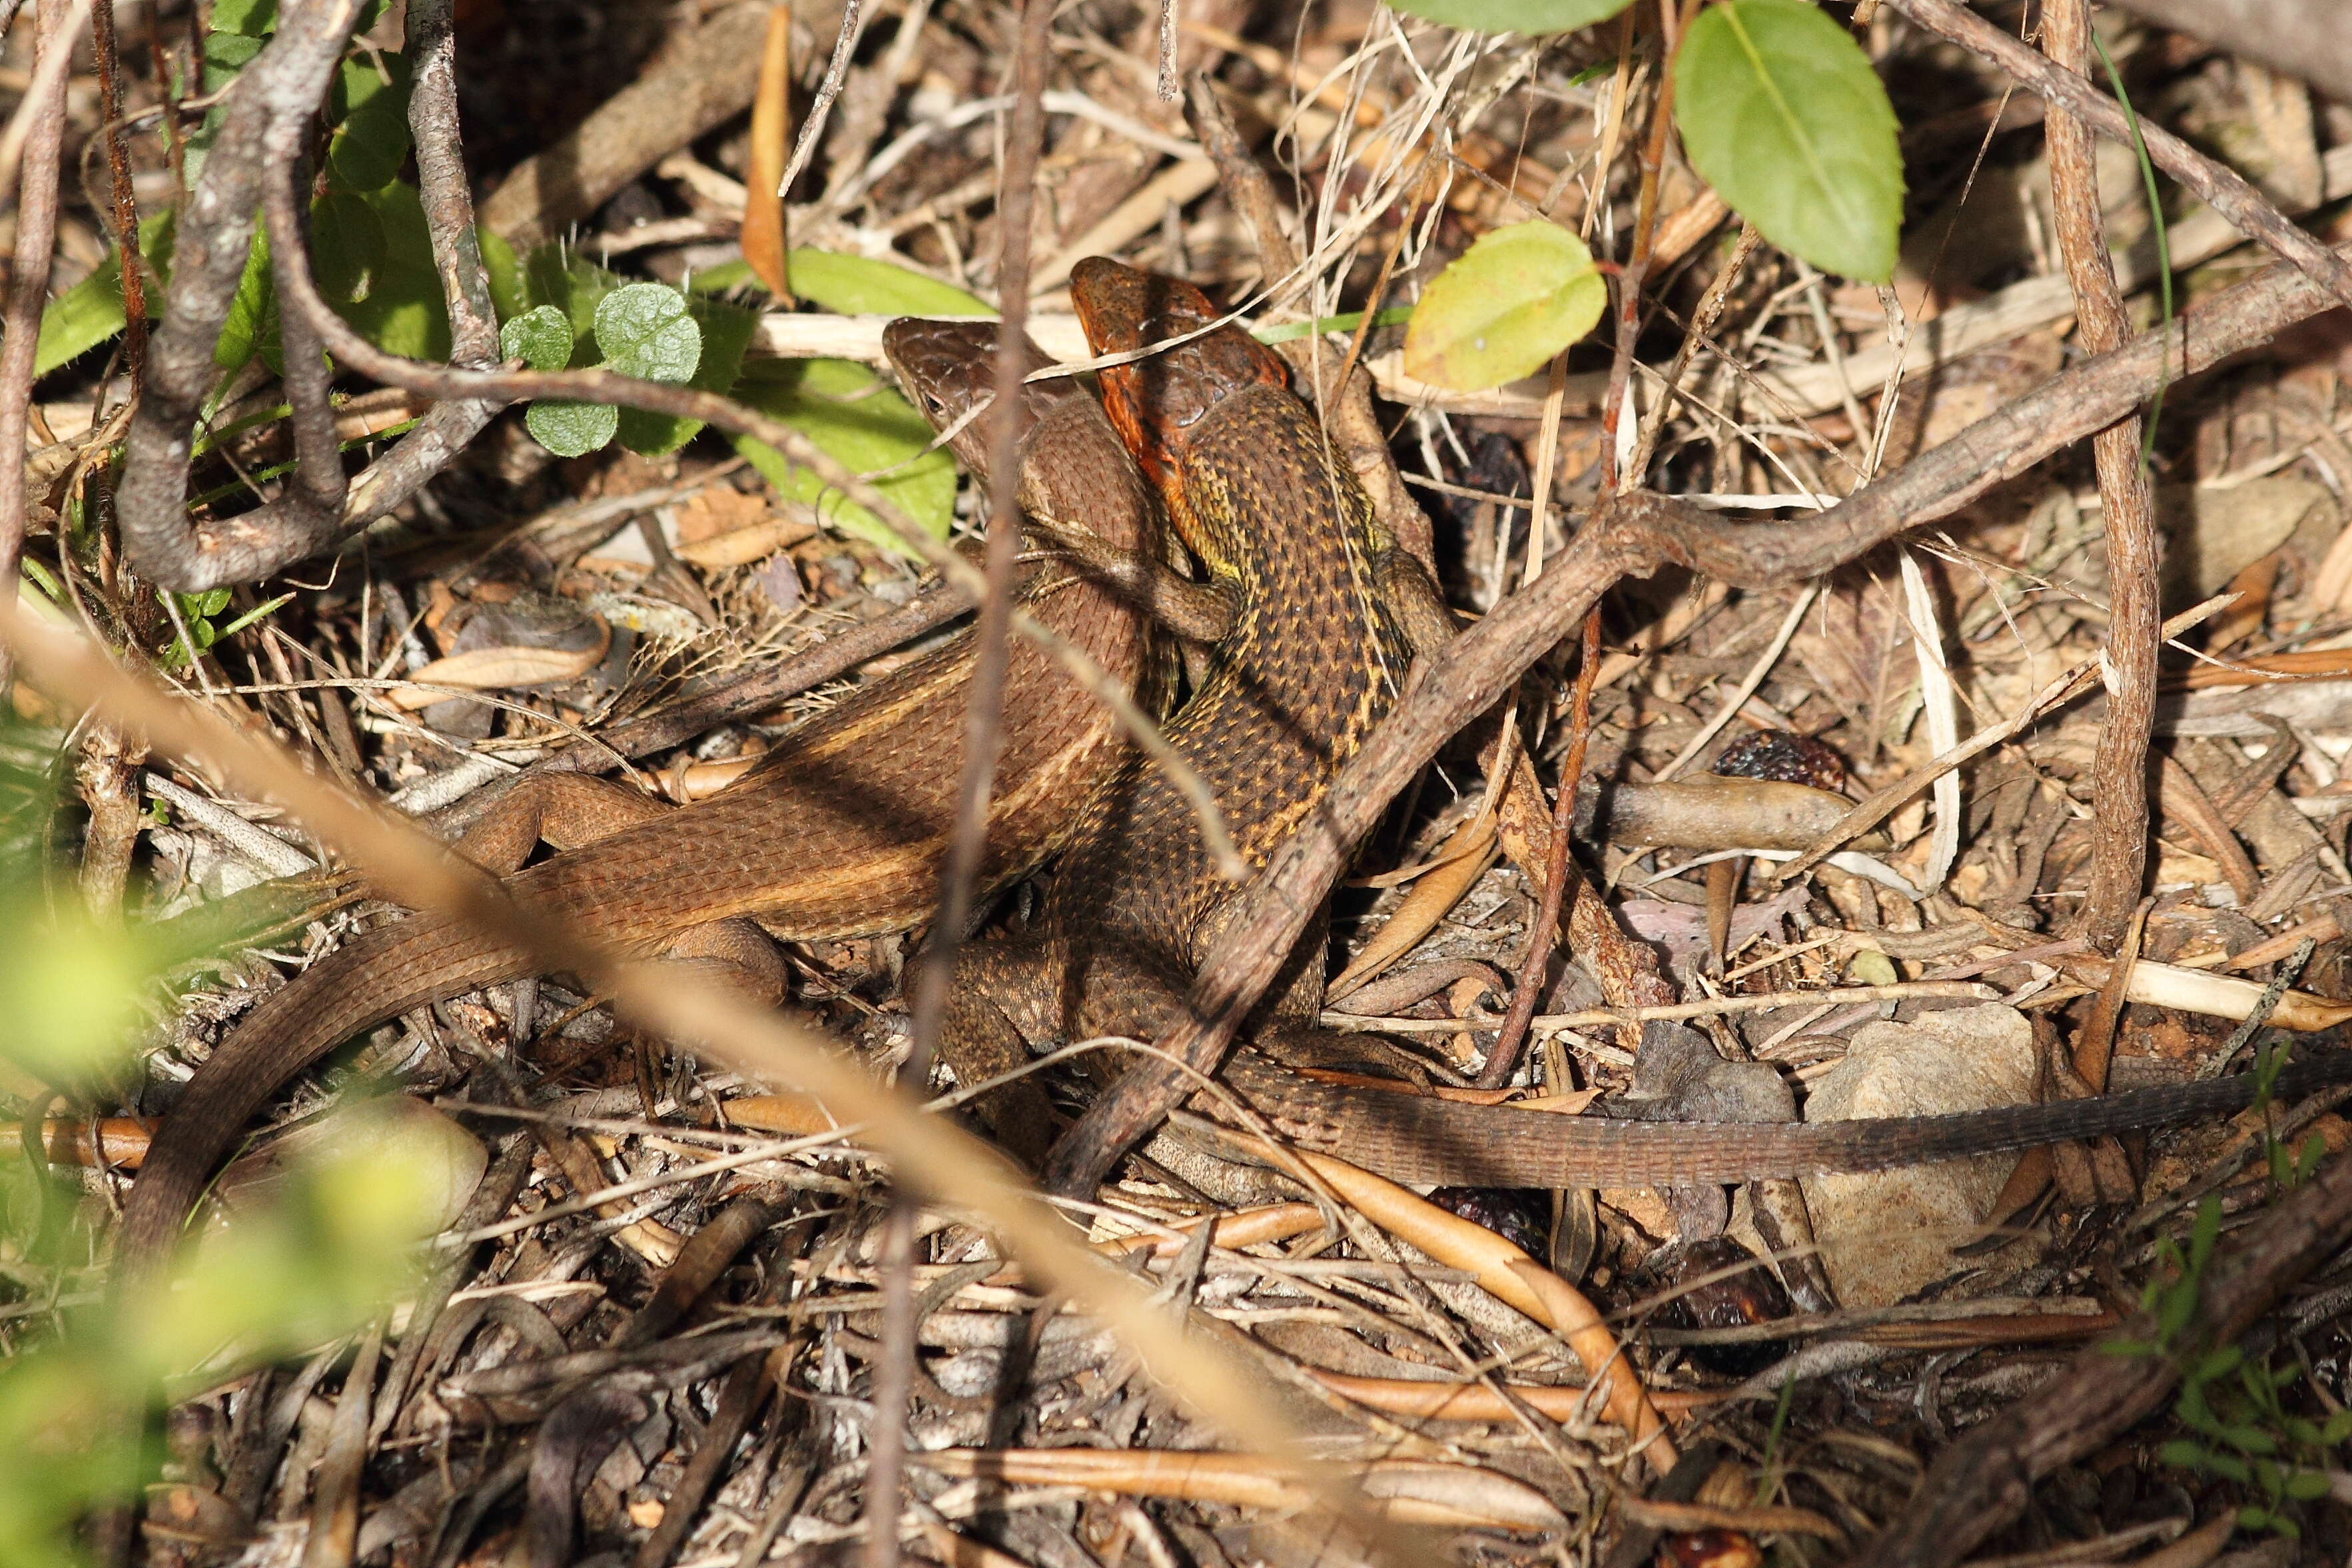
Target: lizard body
<point>838,832</point>
<point>1138,900</point>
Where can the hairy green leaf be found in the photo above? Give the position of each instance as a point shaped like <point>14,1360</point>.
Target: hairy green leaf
<point>91,312</point>
<point>1505,306</point>
<point>541,338</point>
<point>572,429</point>
<point>251,311</point>
<point>1781,113</point>
<point>725,333</point>
<point>642,330</point>
<point>554,275</point>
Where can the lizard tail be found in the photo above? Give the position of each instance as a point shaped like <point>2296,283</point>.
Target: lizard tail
<point>371,978</point>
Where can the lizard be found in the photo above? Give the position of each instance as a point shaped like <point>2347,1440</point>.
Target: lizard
<point>839,831</point>
<point>1312,660</point>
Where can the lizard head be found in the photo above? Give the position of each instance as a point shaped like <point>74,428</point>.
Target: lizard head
<point>1158,402</point>
<point>948,368</point>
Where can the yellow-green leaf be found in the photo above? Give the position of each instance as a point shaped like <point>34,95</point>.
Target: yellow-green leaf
<point>854,285</point>
<point>841,406</point>
<point>1781,113</point>
<point>1502,308</point>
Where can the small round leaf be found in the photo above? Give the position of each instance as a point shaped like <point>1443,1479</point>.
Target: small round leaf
<point>572,429</point>
<point>1502,308</point>
<point>541,338</point>
<point>643,331</point>
<point>1781,113</point>
<point>1514,16</point>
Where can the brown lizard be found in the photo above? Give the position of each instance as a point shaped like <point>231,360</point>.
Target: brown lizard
<point>1311,664</point>
<point>838,832</point>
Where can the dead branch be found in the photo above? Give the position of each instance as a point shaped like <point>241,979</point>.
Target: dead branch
<point>2119,844</point>
<point>29,279</point>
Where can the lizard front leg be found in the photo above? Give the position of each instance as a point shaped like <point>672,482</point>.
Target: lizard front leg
<point>1000,1011</point>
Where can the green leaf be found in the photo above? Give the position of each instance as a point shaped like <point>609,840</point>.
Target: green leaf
<point>371,139</point>
<point>2249,1438</point>
<point>2181,1455</point>
<point>505,270</point>
<point>553,276</point>
<point>1781,113</point>
<point>250,310</point>
<point>642,330</point>
<point>723,279</point>
<point>347,246</point>
<point>2219,1363</point>
<point>1504,307</point>
<point>854,285</point>
<point>403,312</point>
<point>725,333</point>
<point>2202,1233</point>
<point>2307,1486</point>
<point>572,429</point>
<point>541,338</point>
<point>868,427</point>
<point>2227,1468</point>
<point>91,312</point>
<point>1512,15</point>
<point>247,18</point>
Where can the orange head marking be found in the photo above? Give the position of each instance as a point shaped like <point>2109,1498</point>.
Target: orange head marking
<point>1156,401</point>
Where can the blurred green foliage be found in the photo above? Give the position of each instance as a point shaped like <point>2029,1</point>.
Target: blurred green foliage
<point>83,1377</point>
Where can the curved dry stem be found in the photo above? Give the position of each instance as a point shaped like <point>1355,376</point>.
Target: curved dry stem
<point>268,108</point>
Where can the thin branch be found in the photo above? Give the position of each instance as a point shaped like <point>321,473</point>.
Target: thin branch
<point>49,82</point>
<point>29,279</point>
<point>122,204</point>
<point>2219,188</point>
<point>269,107</point>
<point>2119,778</point>
<point>441,183</point>
<point>1527,987</point>
<point>984,738</point>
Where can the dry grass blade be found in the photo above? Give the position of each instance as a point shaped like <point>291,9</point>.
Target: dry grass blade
<point>1517,1279</point>
<point>1460,862</point>
<point>764,240</point>
<point>1454,1496</point>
